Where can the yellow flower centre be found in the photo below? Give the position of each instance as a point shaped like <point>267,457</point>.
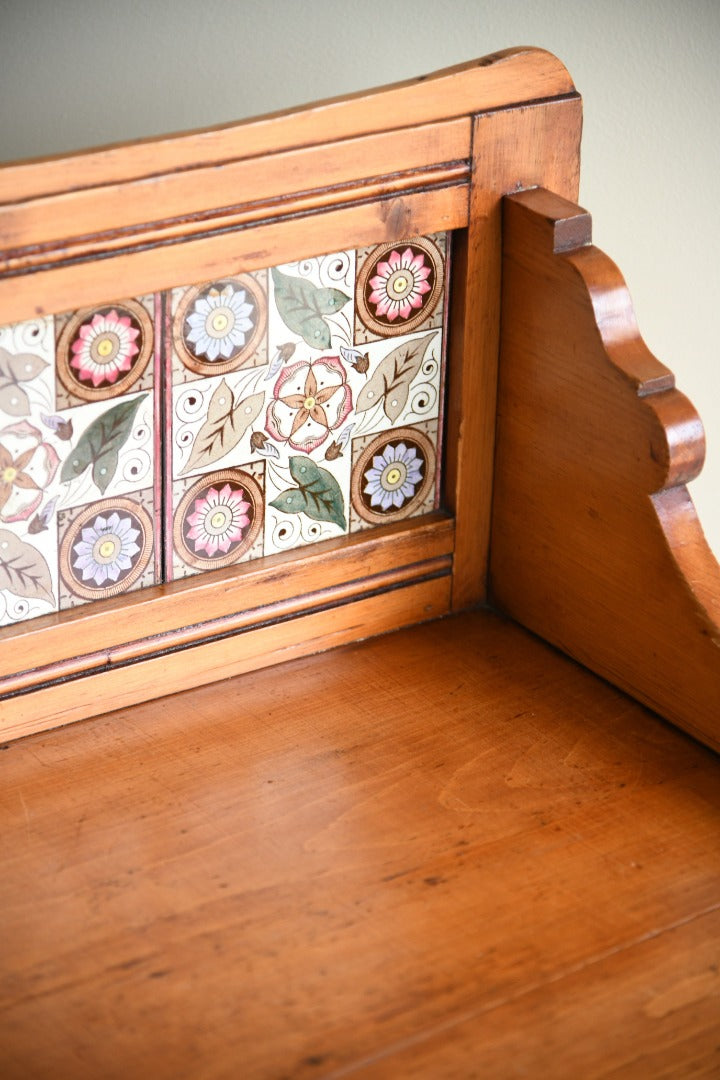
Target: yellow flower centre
<point>107,549</point>
<point>218,519</point>
<point>401,283</point>
<point>393,476</point>
<point>104,347</point>
<point>9,474</point>
<point>309,403</point>
<point>220,321</point>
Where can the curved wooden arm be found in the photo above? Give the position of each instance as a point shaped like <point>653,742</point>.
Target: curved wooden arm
<point>596,545</point>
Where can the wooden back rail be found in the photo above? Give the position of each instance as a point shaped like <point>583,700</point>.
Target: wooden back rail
<point>563,499</point>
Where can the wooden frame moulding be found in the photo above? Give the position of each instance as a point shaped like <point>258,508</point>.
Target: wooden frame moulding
<point>429,155</point>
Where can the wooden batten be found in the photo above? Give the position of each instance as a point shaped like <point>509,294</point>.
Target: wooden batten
<point>512,148</point>
<point>192,632</point>
<point>158,264</point>
<point>275,640</point>
<point>230,598</point>
<point>595,543</point>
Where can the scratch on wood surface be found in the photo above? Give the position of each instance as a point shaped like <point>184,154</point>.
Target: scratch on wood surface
<point>25,810</point>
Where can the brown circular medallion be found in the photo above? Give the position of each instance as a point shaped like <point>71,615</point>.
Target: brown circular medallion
<point>399,286</point>
<point>393,475</point>
<point>103,351</point>
<point>218,519</point>
<point>218,326</point>
<point>106,548</point>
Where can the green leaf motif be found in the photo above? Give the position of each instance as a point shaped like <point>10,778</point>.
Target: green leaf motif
<point>291,501</point>
<point>16,368</point>
<point>317,495</point>
<point>306,471</point>
<point>224,427</point>
<point>302,306</point>
<point>390,382</point>
<point>104,469</point>
<point>100,444</point>
<point>23,570</point>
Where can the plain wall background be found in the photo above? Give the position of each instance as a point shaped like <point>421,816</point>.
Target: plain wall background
<point>77,73</point>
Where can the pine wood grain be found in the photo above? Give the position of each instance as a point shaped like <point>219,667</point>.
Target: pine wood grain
<point>29,650</point>
<point>596,545</point>
<point>116,208</point>
<point>511,149</point>
<point>274,635</point>
<point>449,852</point>
<point>64,284</point>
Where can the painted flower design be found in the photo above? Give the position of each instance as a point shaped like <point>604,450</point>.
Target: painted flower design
<point>399,284</point>
<point>106,549</point>
<point>310,400</point>
<point>27,466</point>
<point>220,322</point>
<point>394,476</point>
<point>105,348</point>
<point>219,520</point>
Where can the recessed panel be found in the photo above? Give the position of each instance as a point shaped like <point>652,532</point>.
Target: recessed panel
<point>156,437</point>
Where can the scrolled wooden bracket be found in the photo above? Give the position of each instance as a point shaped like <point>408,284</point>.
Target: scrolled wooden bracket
<point>595,542</point>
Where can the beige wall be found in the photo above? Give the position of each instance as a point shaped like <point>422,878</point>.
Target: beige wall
<point>75,73</point>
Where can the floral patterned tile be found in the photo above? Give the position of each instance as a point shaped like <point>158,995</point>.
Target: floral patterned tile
<point>77,443</point>
<point>104,352</point>
<point>400,287</point>
<point>218,327</point>
<point>394,475</point>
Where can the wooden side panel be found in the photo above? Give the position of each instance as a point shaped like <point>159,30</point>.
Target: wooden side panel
<point>595,542</point>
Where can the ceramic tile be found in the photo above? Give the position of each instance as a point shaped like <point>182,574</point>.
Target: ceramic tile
<point>400,287</point>
<point>31,450</point>
<point>217,350</point>
<point>218,327</point>
<point>77,435</point>
<point>394,475</point>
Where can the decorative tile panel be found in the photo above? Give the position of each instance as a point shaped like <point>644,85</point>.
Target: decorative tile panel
<point>77,458</point>
<point>306,402</point>
<point>168,435</point>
